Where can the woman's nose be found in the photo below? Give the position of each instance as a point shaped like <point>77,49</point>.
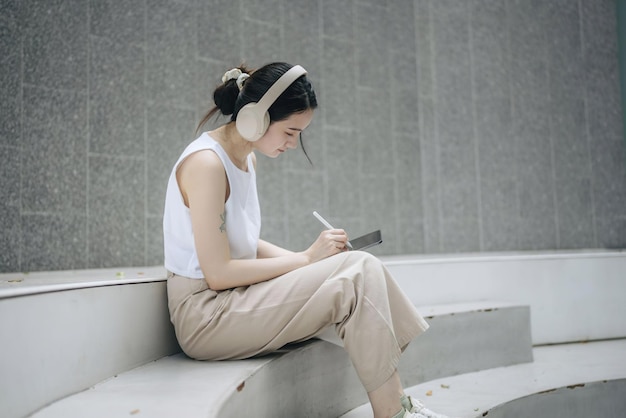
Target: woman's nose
<point>292,143</point>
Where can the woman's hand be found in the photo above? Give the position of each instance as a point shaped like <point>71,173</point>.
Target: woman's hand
<point>329,242</point>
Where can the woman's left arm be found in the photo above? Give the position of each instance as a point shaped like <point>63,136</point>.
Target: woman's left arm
<point>268,250</point>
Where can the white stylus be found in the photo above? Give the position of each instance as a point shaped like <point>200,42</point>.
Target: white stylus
<point>328,226</point>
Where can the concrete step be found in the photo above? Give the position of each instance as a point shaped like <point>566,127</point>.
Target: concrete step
<point>465,337</point>
<point>577,380</point>
<point>587,285</point>
<point>314,379</point>
<point>63,332</point>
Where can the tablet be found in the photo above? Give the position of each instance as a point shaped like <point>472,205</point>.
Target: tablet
<point>366,241</point>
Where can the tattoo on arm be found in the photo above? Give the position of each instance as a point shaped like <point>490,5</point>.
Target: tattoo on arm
<point>223,225</point>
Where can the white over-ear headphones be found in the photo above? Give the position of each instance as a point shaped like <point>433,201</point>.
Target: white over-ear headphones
<point>253,119</point>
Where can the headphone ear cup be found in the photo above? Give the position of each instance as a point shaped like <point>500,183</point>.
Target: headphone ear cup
<point>251,123</point>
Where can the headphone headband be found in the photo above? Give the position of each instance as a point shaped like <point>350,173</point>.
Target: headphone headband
<point>276,89</point>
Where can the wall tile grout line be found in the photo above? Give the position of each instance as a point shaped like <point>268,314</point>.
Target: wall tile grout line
<point>88,142</point>
<point>20,254</point>
<point>588,138</point>
<point>145,133</point>
<point>476,139</point>
<point>551,139</point>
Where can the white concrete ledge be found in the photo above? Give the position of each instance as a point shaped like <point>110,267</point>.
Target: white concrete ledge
<point>71,330</point>
<point>577,380</point>
<point>181,387</point>
<point>581,400</point>
<point>22,284</point>
<point>66,332</point>
<point>314,379</point>
<point>558,286</point>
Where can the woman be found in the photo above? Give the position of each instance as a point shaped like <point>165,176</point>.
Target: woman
<point>233,295</point>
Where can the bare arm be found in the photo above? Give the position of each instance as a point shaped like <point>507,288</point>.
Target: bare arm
<point>268,250</point>
<point>203,183</point>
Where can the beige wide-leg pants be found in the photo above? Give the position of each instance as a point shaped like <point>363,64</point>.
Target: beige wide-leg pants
<point>351,291</point>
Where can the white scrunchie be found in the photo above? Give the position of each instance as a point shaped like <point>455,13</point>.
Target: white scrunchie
<point>233,74</point>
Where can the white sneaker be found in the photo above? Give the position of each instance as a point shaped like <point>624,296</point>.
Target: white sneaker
<point>414,406</point>
<point>408,414</point>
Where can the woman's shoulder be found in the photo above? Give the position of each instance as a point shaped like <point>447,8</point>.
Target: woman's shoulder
<point>203,160</point>
<point>201,171</point>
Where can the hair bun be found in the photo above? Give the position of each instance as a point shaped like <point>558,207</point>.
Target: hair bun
<point>225,96</point>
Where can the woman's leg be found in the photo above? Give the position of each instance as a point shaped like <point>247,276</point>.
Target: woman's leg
<point>352,291</point>
<point>383,315</point>
<point>385,400</point>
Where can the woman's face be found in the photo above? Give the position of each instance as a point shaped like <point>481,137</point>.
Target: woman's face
<point>283,134</point>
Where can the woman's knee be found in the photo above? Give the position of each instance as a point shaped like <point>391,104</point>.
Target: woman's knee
<point>355,255</point>
<point>364,266</point>
<point>364,258</point>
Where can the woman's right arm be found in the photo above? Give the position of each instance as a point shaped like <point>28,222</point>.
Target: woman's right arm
<point>202,181</point>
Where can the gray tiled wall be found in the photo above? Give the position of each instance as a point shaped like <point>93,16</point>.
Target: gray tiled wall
<point>452,125</point>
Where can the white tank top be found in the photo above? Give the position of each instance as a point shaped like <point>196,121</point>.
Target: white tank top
<point>243,214</point>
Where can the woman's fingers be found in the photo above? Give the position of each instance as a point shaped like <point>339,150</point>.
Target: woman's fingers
<point>329,242</point>
<point>338,237</point>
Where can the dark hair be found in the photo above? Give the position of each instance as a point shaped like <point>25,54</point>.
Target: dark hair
<point>298,97</point>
